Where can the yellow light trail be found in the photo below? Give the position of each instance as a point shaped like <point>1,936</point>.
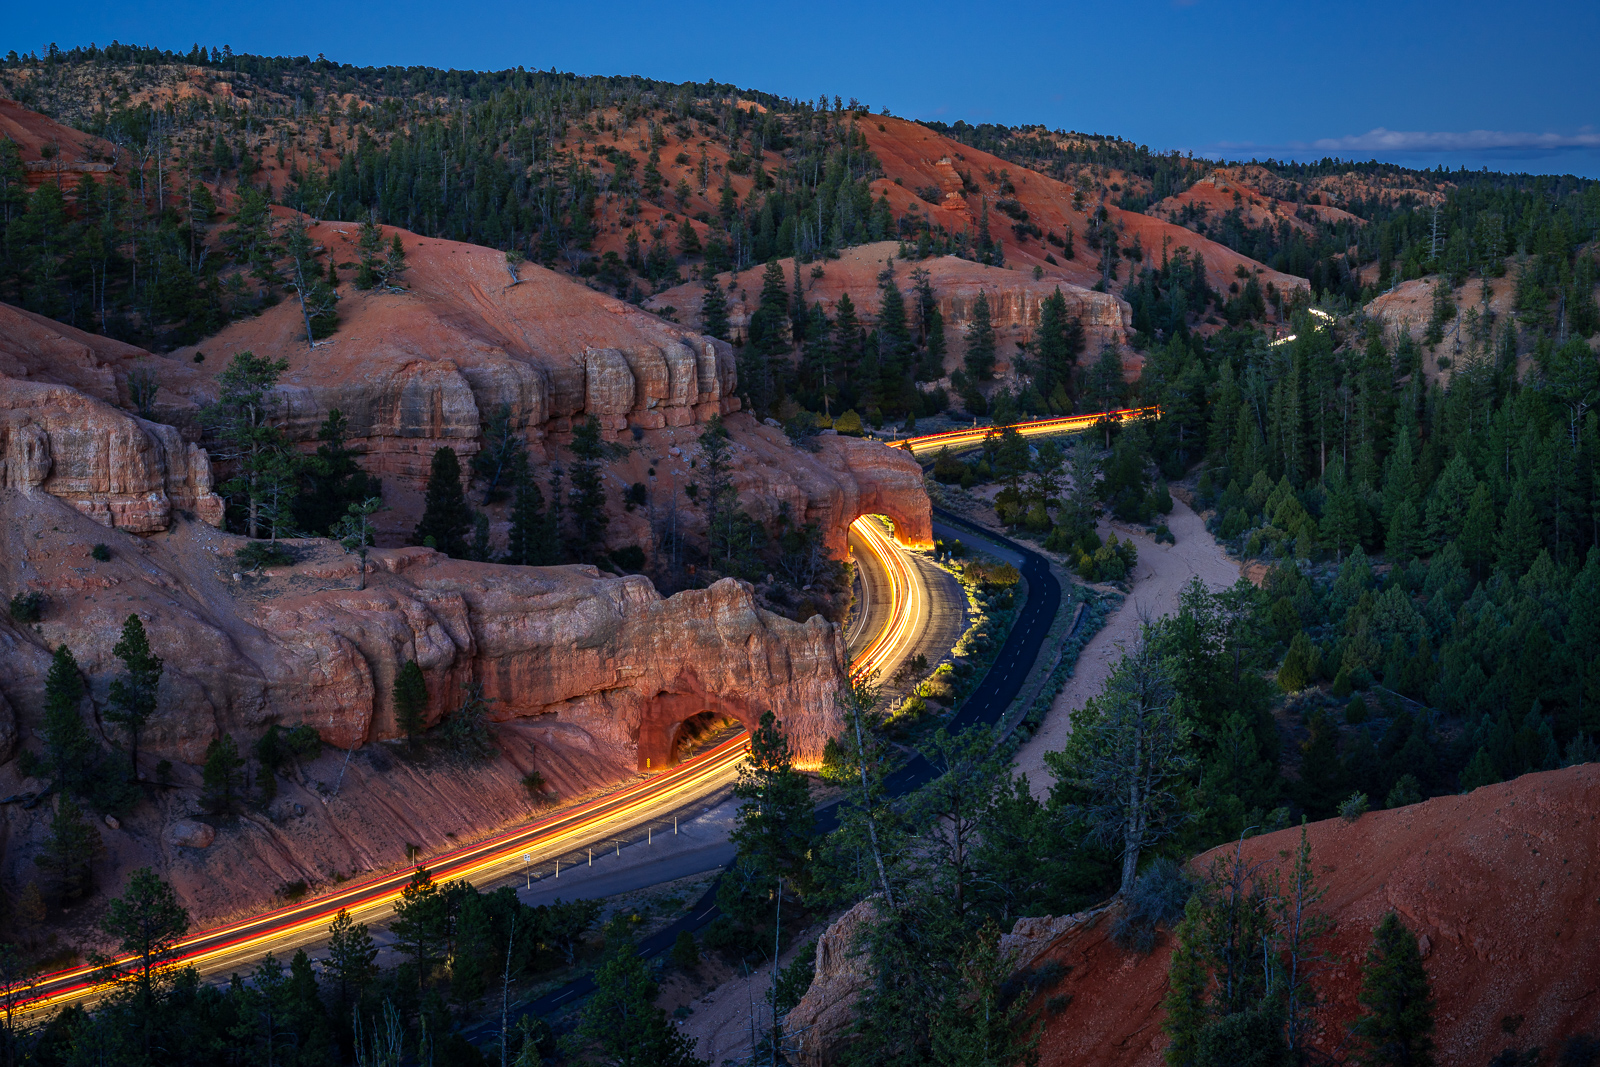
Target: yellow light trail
<point>374,898</point>
<point>1037,428</point>
<point>907,603</point>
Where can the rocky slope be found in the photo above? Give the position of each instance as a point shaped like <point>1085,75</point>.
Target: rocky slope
<point>1014,296</point>
<point>597,672</point>
<point>1501,887</point>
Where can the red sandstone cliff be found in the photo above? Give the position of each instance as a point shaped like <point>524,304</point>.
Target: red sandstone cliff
<point>590,677</point>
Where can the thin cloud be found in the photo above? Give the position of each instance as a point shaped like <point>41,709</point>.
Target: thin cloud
<point>1383,140</point>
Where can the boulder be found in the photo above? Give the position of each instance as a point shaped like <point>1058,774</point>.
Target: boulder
<point>188,833</point>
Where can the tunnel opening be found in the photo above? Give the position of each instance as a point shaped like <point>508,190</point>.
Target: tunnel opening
<point>698,733</point>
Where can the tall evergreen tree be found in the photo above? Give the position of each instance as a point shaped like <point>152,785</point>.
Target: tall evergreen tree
<point>1395,1028</point>
<point>980,341</point>
<point>714,309</point>
<point>446,518</point>
<point>220,778</point>
<point>133,698</point>
<point>333,479</point>
<point>773,835</point>
<point>621,1017</point>
<point>588,491</point>
<point>239,419</point>
<point>70,851</point>
<point>411,702</point>
<point>69,751</point>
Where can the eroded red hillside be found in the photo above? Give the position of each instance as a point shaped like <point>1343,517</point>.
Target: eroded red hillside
<point>1502,887</point>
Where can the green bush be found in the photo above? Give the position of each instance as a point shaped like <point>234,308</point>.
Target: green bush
<point>28,607</point>
<point>258,554</point>
<point>101,552</point>
<point>848,424</point>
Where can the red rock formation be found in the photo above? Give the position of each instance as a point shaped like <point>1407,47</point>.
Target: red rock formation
<point>417,370</point>
<point>1014,295</point>
<point>589,676</point>
<point>50,151</point>
<point>1502,887</point>
<point>120,470</point>
<point>302,644</point>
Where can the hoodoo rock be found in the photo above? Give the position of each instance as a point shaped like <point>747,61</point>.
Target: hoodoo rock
<point>416,370</point>
<point>588,677</point>
<point>120,470</point>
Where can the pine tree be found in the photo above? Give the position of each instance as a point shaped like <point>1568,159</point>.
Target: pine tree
<point>146,923</point>
<point>421,922</point>
<point>1052,345</point>
<point>1478,535</point>
<point>352,957</point>
<point>717,495</point>
<point>980,356</point>
<point>70,851</point>
<point>622,1019</point>
<point>1187,980</point>
<point>714,310</point>
<point>503,455</point>
<point>369,253</point>
<point>333,479</point>
<point>529,543</point>
<point>1519,541</point>
<point>984,1030</point>
<point>588,491</point>
<point>1396,1026</point>
<point>410,702</point>
<point>446,518</point>
<point>69,751</point>
<point>934,353</point>
<point>239,420</point>
<point>220,776</point>
<point>133,699</point>
<point>773,837</point>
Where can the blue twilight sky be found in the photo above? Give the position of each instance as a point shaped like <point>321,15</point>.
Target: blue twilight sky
<point>1511,86</point>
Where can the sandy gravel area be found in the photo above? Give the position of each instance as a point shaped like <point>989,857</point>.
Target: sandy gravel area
<point>1159,576</point>
<point>721,1023</point>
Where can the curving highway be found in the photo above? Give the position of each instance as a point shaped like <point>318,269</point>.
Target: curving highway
<point>235,945</point>
<point>900,618</point>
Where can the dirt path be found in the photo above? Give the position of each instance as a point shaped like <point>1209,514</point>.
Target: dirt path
<point>1159,576</point>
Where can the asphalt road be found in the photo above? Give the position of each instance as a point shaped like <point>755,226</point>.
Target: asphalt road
<point>985,706</point>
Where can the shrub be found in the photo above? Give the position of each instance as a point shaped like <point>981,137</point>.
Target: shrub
<point>1355,712</point>
<point>534,783</point>
<point>28,607</point>
<point>1354,807</point>
<point>849,424</point>
<point>1407,790</point>
<point>258,554</point>
<point>1157,899</point>
<point>101,552</point>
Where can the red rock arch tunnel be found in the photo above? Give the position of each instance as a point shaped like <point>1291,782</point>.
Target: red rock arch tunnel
<point>668,719</point>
